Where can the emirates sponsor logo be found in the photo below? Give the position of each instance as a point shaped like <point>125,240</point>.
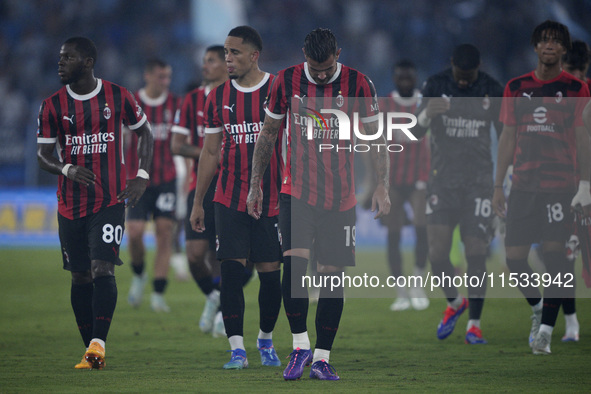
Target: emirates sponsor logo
<point>89,143</point>
<point>245,132</point>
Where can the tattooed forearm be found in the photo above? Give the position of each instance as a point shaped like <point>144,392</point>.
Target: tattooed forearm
<point>379,156</point>
<point>263,149</point>
<point>382,165</point>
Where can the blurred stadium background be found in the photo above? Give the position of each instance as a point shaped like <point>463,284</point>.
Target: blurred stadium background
<point>373,34</point>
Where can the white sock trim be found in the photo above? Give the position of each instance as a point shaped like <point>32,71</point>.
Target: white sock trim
<point>265,335</point>
<point>321,354</point>
<point>571,319</point>
<point>473,323</point>
<point>236,342</point>
<point>546,328</point>
<point>99,341</point>
<point>301,340</point>
<point>456,302</point>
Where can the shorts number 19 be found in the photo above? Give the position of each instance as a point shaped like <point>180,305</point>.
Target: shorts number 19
<point>349,235</point>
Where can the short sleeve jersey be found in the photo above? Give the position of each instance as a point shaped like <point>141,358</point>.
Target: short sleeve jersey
<point>190,121</point>
<point>324,179</point>
<point>87,131</point>
<point>545,114</point>
<point>238,112</point>
<point>461,137</point>
<point>411,165</point>
<point>160,112</point>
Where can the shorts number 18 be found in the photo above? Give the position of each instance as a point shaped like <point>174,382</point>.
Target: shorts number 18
<point>555,213</point>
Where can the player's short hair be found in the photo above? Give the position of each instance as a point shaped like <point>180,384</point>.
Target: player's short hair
<point>155,62</point>
<point>84,46</point>
<point>551,29</point>
<point>248,35</point>
<point>218,50</point>
<point>578,56</point>
<point>404,63</point>
<point>320,44</point>
<point>466,57</point>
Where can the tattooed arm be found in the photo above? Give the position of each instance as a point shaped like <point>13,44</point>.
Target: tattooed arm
<point>263,150</point>
<point>381,165</point>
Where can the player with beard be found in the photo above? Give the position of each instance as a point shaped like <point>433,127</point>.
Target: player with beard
<point>187,141</point>
<point>318,191</point>
<point>159,200</point>
<point>83,121</point>
<point>544,173</point>
<point>459,107</point>
<point>233,120</point>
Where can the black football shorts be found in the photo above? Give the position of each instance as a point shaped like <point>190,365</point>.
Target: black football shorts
<point>158,201</point>
<point>470,206</point>
<point>240,236</point>
<point>538,217</point>
<point>94,237</point>
<point>330,234</point>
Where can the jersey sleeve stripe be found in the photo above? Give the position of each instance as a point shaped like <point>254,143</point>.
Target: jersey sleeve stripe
<point>46,140</point>
<point>138,124</point>
<point>274,115</point>
<point>180,130</point>
<point>213,130</point>
<point>370,119</point>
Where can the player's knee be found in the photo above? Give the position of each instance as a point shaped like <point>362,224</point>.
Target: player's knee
<point>196,261</point>
<point>164,228</point>
<point>135,232</point>
<point>267,267</point>
<point>437,251</point>
<point>334,285</point>
<point>81,278</point>
<point>518,265</point>
<point>100,268</point>
<point>475,247</point>
<point>476,266</point>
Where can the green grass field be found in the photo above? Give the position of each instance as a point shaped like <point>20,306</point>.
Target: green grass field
<point>375,350</point>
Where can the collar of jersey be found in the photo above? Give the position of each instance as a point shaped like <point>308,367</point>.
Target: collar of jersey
<point>334,77</point>
<point>152,102</point>
<point>406,101</point>
<point>533,74</point>
<point>83,97</point>
<point>252,88</point>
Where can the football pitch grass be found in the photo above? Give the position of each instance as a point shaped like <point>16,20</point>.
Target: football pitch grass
<point>375,350</point>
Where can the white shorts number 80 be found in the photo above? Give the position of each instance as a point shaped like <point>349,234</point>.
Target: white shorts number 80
<point>111,234</point>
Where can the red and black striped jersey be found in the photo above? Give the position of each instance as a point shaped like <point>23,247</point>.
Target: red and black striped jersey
<point>160,112</point>
<point>238,112</point>
<point>190,121</point>
<point>545,114</point>
<point>321,178</point>
<point>411,164</point>
<point>87,130</point>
